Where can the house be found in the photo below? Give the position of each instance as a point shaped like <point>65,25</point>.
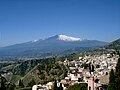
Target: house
<point>39,87</point>
<point>48,86</point>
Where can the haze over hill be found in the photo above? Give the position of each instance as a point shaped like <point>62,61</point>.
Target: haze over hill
<point>55,45</point>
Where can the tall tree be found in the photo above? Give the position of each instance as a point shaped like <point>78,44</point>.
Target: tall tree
<point>117,75</point>
<point>92,68</point>
<point>2,85</point>
<point>81,86</point>
<point>111,85</point>
<point>21,83</point>
<point>31,83</point>
<point>60,88</point>
<point>11,87</point>
<point>55,86</point>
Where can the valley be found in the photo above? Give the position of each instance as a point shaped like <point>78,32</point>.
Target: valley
<point>68,70</point>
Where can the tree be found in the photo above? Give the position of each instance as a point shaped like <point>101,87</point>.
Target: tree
<point>85,65</point>
<point>11,87</point>
<point>111,85</point>
<point>21,83</point>
<point>117,75</point>
<point>81,86</point>
<point>65,73</point>
<point>92,68</point>
<point>97,66</point>
<point>60,88</point>
<point>55,86</point>
<point>31,83</point>
<point>2,85</point>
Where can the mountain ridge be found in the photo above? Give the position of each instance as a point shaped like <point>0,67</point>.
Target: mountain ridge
<point>55,45</point>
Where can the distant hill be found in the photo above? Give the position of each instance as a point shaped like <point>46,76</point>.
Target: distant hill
<point>112,48</point>
<point>114,45</point>
<point>56,45</point>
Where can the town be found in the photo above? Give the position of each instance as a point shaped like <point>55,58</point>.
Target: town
<point>91,70</point>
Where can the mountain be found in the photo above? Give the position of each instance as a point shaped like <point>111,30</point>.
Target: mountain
<point>55,45</point>
<point>114,45</point>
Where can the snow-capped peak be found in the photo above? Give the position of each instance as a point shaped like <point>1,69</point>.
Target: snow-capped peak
<point>68,38</point>
<point>35,40</point>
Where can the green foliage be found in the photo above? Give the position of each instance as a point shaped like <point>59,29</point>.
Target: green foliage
<point>85,65</point>
<point>21,85</point>
<point>42,70</point>
<point>44,73</point>
<point>97,66</point>
<point>31,83</point>
<point>81,86</point>
<point>11,87</point>
<point>2,84</point>
<point>53,72</point>
<point>114,80</point>
<point>72,56</point>
<point>92,68</point>
<point>117,75</point>
<point>111,85</point>
<point>60,88</point>
<point>55,85</point>
<point>24,67</point>
<point>42,76</point>
<point>65,73</point>
<point>114,45</point>
<point>15,78</point>
<point>25,88</point>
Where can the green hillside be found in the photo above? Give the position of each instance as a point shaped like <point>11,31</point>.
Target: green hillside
<point>45,73</point>
<point>114,45</point>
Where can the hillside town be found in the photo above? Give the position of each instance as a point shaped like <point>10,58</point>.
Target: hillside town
<point>92,70</point>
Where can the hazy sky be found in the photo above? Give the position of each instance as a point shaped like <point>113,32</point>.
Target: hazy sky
<point>26,20</point>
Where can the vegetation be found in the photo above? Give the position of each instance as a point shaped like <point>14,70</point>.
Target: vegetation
<point>3,87</point>
<point>21,83</point>
<point>81,86</point>
<point>114,79</point>
<point>114,45</point>
<point>44,73</point>
<point>55,86</point>
<point>111,85</point>
<point>117,75</point>
<point>31,83</point>
<point>11,86</point>
<point>15,79</point>
<point>60,88</point>
<point>41,70</point>
<point>85,65</point>
<point>24,67</point>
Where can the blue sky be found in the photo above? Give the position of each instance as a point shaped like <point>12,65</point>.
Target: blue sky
<point>26,20</point>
